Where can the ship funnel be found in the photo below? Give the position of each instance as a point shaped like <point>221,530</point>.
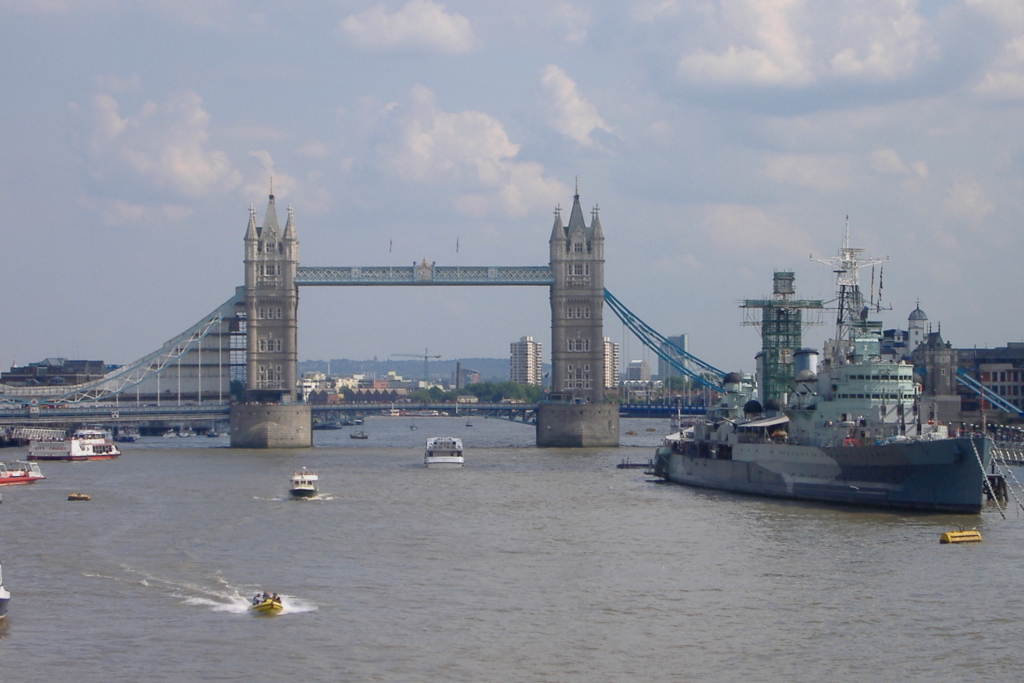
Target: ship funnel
<point>805,359</point>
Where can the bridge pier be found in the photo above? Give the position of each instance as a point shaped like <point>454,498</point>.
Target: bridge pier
<point>257,425</point>
<point>577,425</point>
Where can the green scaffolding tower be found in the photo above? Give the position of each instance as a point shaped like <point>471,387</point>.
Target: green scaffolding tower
<point>781,325</point>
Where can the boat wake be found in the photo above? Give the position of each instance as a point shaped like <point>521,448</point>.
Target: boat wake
<point>276,499</point>
<point>225,598</point>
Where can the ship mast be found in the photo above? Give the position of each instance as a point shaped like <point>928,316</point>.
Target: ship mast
<point>851,310</point>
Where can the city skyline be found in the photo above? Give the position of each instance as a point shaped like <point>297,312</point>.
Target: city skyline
<point>721,140</point>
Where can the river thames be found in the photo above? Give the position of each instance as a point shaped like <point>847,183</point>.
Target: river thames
<point>527,565</point>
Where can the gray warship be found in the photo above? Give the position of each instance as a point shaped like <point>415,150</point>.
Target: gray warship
<point>854,431</point>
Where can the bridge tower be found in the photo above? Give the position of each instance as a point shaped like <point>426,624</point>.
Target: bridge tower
<point>575,413</point>
<point>271,416</point>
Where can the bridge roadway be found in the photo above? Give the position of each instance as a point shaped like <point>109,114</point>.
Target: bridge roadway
<point>214,412</point>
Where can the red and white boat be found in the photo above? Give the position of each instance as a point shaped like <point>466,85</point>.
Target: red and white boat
<point>19,472</point>
<point>84,444</point>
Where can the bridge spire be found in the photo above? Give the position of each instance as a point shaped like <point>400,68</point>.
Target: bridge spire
<point>251,233</point>
<point>289,227</point>
<point>270,219</point>
<point>557,230</point>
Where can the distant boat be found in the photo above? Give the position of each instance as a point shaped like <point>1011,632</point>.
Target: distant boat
<point>127,435</point>
<point>5,597</point>
<point>468,423</point>
<point>212,434</point>
<point>19,472</point>
<point>84,444</point>
<point>443,452</point>
<point>358,435</point>
<point>304,484</point>
<point>266,606</point>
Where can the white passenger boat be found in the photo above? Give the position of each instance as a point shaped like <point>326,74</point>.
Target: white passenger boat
<point>84,444</point>
<point>19,472</point>
<point>443,452</point>
<point>304,484</point>
<point>5,597</point>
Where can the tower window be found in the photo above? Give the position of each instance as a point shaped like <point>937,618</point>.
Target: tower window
<point>577,247</point>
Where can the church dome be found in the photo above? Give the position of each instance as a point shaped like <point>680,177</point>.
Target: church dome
<point>917,314</point>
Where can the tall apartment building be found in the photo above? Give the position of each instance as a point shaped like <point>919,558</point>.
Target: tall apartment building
<point>611,364</point>
<point>665,370</point>
<point>525,363</point>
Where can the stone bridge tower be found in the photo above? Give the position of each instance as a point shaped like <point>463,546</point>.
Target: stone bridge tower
<point>575,413</point>
<point>271,306</point>
<point>271,416</point>
<point>577,304</point>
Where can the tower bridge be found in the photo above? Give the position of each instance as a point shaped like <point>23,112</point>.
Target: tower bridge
<point>576,412</point>
<point>250,341</point>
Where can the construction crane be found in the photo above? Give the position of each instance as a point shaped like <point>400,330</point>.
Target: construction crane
<point>426,361</point>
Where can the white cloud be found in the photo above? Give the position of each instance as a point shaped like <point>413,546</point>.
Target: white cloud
<point>166,144</point>
<point>472,150</point>
<point>284,184</point>
<point>887,161</point>
<point>1006,79</point>
<point>570,113</point>
<point>420,24</point>
<point>574,21</point>
<point>968,201</point>
<point>772,52</point>
<point>807,170</point>
<point>889,40</point>
<point>796,43</point>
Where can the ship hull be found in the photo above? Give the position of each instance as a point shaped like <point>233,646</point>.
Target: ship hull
<point>936,476</point>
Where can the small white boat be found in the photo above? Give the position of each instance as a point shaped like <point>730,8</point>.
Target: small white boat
<point>304,484</point>
<point>19,472</point>
<point>84,444</point>
<point>443,452</point>
<point>5,597</point>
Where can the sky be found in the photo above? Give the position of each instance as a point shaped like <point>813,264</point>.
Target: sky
<point>722,140</point>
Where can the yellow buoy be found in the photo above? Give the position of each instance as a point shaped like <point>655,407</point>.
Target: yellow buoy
<point>961,536</point>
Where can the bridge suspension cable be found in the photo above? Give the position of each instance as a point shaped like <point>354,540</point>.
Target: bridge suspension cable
<point>704,374</point>
<point>127,376</point>
<point>981,390</point>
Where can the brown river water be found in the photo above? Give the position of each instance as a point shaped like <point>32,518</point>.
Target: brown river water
<point>527,565</point>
